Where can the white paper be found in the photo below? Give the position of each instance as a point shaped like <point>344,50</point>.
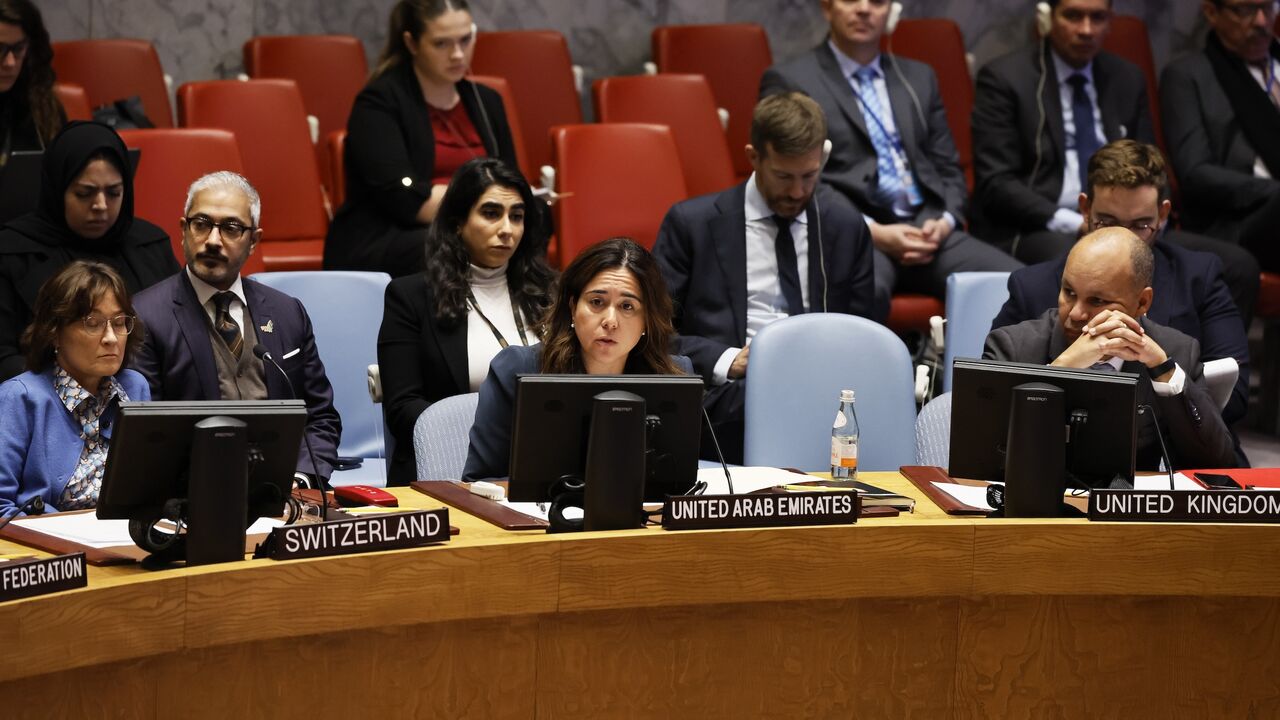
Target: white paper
<point>971,495</point>
<point>748,479</point>
<point>539,510</point>
<point>87,529</point>
<point>1161,482</point>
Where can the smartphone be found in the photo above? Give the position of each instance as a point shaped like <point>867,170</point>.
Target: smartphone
<point>1214,481</point>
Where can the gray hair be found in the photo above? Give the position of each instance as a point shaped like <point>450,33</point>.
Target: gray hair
<point>222,179</point>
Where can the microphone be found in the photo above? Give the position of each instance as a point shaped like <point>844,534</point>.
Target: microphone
<point>34,505</point>
<point>262,353</point>
<point>716,442</point>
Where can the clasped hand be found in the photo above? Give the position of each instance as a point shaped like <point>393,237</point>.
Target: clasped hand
<point>1112,333</point>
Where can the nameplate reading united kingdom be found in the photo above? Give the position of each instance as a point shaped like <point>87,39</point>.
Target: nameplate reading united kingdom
<point>25,578</point>
<point>703,512</point>
<point>363,534</point>
<point>1224,506</point>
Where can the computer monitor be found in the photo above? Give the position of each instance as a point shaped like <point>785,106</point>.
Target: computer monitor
<point>149,461</point>
<point>1100,409</point>
<point>553,425</point>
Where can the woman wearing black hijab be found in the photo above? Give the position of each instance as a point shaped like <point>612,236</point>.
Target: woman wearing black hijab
<point>85,213</point>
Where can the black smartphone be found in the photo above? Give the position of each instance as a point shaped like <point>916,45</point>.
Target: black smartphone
<point>351,463</point>
<point>1214,481</point>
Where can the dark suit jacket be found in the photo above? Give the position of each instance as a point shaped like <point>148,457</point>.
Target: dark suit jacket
<point>1189,295</point>
<point>922,126</point>
<point>701,250</point>
<point>389,138</point>
<point>1193,429</point>
<point>1212,157</point>
<point>176,357</point>
<point>1007,121</point>
<point>489,453</point>
<point>420,361</point>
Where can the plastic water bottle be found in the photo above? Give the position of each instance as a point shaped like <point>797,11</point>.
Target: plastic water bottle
<point>844,440</point>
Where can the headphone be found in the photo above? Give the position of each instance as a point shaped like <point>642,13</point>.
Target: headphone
<point>895,14</point>
<point>1044,19</point>
<point>817,213</point>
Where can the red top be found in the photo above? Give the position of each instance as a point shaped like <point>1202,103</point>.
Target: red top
<point>456,141</point>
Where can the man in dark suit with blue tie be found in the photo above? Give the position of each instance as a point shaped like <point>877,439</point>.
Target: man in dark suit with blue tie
<point>775,246</point>
<point>892,152</point>
<point>203,324</point>
<point>1127,187</point>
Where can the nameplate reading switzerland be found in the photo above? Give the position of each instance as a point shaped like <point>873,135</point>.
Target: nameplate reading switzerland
<point>1225,506</point>
<point>704,512</point>
<point>363,534</point>
<point>25,578</point>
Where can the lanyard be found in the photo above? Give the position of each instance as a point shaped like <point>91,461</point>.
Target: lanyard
<point>866,110</point>
<point>497,334</point>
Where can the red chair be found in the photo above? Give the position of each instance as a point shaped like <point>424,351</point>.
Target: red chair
<point>732,57</point>
<point>330,70</point>
<point>279,159</point>
<point>172,159</point>
<point>334,145</point>
<point>911,311</point>
<point>937,42</point>
<point>111,70</point>
<point>537,65</point>
<point>683,103</point>
<point>1267,309</point>
<point>502,87</point>
<point>75,101</point>
<point>1128,38</point>
<point>599,202</point>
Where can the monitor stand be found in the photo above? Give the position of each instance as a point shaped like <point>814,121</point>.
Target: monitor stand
<point>612,496</point>
<point>1036,456</point>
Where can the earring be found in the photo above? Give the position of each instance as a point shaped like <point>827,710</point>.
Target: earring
<point>642,333</point>
<point>571,325</point>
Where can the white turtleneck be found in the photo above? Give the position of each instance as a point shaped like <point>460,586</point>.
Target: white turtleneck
<point>489,285</point>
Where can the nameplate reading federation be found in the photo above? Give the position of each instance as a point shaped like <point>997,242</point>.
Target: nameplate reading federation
<point>1226,506</point>
<point>702,512</point>
<point>364,534</point>
<point>20,579</point>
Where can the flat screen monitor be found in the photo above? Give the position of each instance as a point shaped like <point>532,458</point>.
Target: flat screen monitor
<point>553,423</point>
<point>148,462</point>
<point>1100,408</point>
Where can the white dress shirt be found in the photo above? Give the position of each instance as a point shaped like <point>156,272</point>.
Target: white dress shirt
<point>1068,219</point>
<point>205,293</point>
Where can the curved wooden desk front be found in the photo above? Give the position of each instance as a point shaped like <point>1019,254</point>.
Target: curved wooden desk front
<point>924,615</point>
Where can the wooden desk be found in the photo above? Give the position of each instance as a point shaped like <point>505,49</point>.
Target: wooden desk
<point>923,616</point>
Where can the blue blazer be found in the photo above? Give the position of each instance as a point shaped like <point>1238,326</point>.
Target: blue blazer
<point>702,252</point>
<point>176,357</point>
<point>1189,295</point>
<point>40,442</point>
<point>489,455</point>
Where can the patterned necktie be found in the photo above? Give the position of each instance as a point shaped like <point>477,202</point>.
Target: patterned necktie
<point>890,182</point>
<point>226,325</point>
<point>788,272</point>
<point>1086,131</point>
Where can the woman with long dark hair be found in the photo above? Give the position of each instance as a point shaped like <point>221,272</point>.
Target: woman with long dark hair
<point>487,286</point>
<point>415,123</point>
<point>85,213</point>
<point>30,115</point>
<point>611,316</point>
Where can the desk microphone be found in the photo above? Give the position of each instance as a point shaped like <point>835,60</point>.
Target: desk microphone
<point>33,505</point>
<point>716,442</point>
<point>262,353</point>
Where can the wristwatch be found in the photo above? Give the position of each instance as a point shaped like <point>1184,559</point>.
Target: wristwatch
<point>1167,366</point>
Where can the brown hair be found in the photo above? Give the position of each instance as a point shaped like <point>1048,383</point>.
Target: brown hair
<point>32,93</point>
<point>561,351</point>
<point>789,123</point>
<point>1128,164</point>
<point>411,16</point>
<point>67,297</point>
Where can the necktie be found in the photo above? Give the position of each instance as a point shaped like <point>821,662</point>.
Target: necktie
<point>788,274</point>
<point>890,183</point>
<point>1086,131</point>
<point>1103,366</point>
<point>226,325</point>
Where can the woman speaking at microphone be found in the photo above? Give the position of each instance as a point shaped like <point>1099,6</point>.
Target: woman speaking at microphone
<point>415,123</point>
<point>611,315</point>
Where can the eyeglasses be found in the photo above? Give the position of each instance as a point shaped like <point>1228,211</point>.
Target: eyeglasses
<point>96,325</point>
<point>18,50</point>
<point>1249,10</point>
<point>1141,229</point>
<point>228,229</point>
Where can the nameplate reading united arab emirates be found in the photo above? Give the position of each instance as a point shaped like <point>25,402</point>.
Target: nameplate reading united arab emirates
<point>25,578</point>
<point>702,512</point>
<point>362,534</point>
<point>1226,506</point>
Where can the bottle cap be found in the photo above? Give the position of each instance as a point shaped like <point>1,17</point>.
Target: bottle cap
<point>846,396</point>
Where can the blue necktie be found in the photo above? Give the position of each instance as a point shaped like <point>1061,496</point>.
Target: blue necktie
<point>1086,131</point>
<point>890,183</point>
<point>788,267</point>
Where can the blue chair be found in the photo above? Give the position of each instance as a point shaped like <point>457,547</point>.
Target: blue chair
<point>933,432</point>
<point>797,369</point>
<point>973,301</point>
<point>346,312</point>
<point>441,436</point>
